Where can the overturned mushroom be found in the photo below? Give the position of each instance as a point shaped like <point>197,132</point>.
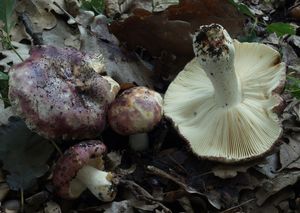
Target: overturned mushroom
<point>80,168</point>
<point>59,95</point>
<point>135,112</point>
<point>223,101</point>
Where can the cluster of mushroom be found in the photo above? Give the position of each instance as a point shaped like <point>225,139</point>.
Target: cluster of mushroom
<point>222,103</point>
<point>60,96</point>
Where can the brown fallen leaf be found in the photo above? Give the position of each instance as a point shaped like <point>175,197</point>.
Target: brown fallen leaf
<point>41,18</point>
<point>291,116</point>
<point>294,12</point>
<point>273,204</point>
<point>270,166</point>
<point>9,57</point>
<point>290,153</point>
<point>52,207</point>
<point>125,206</point>
<point>290,57</point>
<point>121,65</point>
<point>167,35</point>
<point>272,186</point>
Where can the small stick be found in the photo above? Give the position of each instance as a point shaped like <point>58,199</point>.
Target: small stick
<point>240,205</point>
<point>143,194</point>
<point>22,199</point>
<point>56,147</point>
<point>163,174</point>
<point>36,36</point>
<point>66,12</point>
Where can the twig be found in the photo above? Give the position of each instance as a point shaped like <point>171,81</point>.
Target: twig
<point>240,205</point>
<point>141,193</point>
<point>66,12</point>
<point>22,200</point>
<point>36,36</point>
<point>56,147</point>
<point>163,174</point>
<point>134,187</point>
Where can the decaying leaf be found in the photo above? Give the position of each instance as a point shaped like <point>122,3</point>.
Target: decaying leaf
<point>122,66</point>
<point>273,204</point>
<point>290,57</point>
<point>126,206</point>
<point>271,187</point>
<point>52,207</point>
<point>9,57</point>
<point>62,35</point>
<point>49,5</point>
<point>167,35</point>
<point>290,152</point>
<point>5,113</point>
<point>161,5</point>
<point>23,154</point>
<point>40,17</point>
<point>114,160</point>
<point>270,166</point>
<point>291,117</point>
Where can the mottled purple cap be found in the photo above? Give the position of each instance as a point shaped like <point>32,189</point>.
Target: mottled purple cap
<point>136,110</point>
<point>59,95</point>
<point>71,162</point>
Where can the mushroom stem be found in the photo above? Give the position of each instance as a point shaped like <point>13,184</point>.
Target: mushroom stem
<point>98,182</point>
<point>139,142</point>
<point>215,51</point>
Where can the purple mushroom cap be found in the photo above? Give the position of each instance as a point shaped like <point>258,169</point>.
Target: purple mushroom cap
<point>59,95</point>
<point>136,110</point>
<point>71,162</point>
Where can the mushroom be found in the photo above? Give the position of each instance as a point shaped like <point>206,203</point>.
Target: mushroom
<point>81,167</point>
<point>135,112</point>
<point>223,101</point>
<point>59,95</point>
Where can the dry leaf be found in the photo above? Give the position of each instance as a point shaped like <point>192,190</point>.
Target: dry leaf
<point>167,35</point>
<point>10,57</point>
<point>122,66</point>
<point>52,207</point>
<point>113,160</point>
<point>62,35</point>
<point>290,152</point>
<point>40,18</point>
<point>271,205</point>
<point>291,116</point>
<point>161,5</point>
<point>49,5</point>
<point>271,187</point>
<point>290,57</point>
<point>270,166</point>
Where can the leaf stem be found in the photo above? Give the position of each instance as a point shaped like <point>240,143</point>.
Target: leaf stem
<point>56,147</point>
<point>22,199</point>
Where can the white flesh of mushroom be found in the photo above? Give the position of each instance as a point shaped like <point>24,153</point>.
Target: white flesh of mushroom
<point>97,181</point>
<point>222,104</point>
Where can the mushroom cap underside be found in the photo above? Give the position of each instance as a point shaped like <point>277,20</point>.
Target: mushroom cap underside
<point>240,132</point>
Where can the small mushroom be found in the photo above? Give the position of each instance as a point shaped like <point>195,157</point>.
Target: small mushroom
<point>59,94</point>
<point>80,168</point>
<point>223,102</point>
<point>135,112</point>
